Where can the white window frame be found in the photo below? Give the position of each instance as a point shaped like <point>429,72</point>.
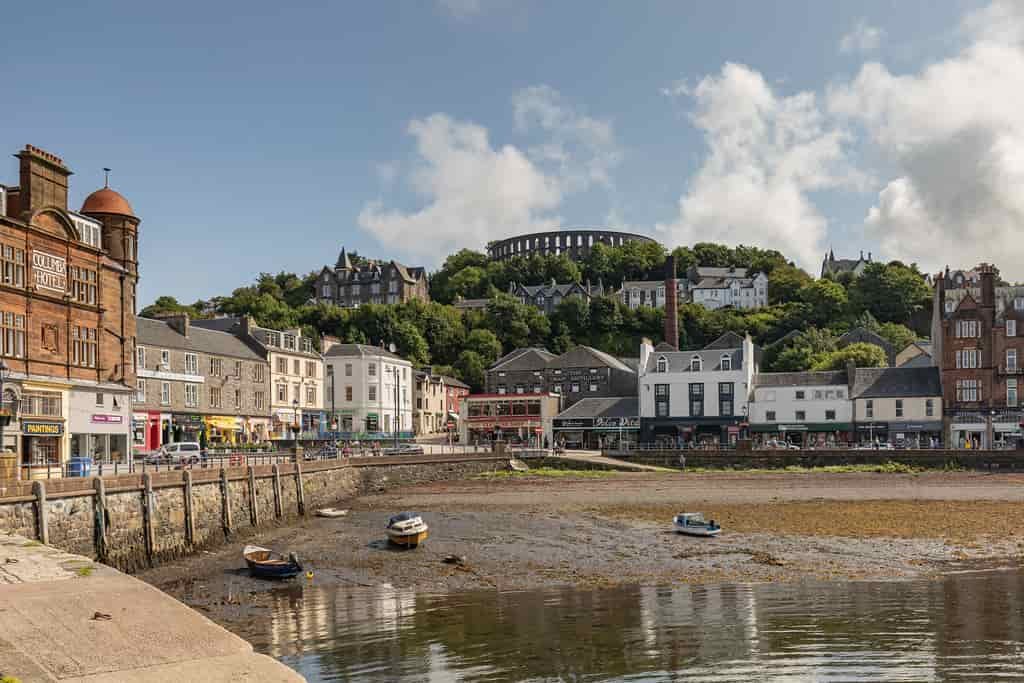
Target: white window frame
<point>165,393</point>
<point>191,364</point>
<point>726,362</point>
<point>1011,328</point>
<point>1012,399</point>
<point>140,390</point>
<point>695,364</point>
<point>1011,360</point>
<point>662,364</point>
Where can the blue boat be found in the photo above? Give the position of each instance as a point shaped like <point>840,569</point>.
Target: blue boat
<point>267,564</point>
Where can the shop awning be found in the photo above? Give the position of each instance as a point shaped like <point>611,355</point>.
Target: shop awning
<point>223,422</point>
<point>804,427</point>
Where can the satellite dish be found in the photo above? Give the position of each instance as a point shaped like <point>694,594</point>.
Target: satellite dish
<point>391,347</point>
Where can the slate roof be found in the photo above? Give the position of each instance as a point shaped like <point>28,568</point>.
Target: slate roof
<point>921,360</point>
<point>452,382</point>
<point>233,325</point>
<point>613,406</point>
<point>679,361</point>
<point>800,379</point>
<point>723,282</point>
<point>632,363</point>
<point>526,358</point>
<point>866,336</point>
<point>587,356</point>
<point>729,340</point>
<point>716,272</point>
<point>896,382</point>
<point>361,351</point>
<point>159,334</point>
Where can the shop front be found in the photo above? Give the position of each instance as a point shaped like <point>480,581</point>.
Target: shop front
<point>222,430</point>
<point>100,425</point>
<point>596,432</point>
<point>42,445</point>
<point>255,429</point>
<point>145,432</point>
<point>805,434</point>
<point>926,434</point>
<point>284,422</point>
<point>520,420</point>
<point>869,433</point>
<point>185,427</point>
<point>968,430</point>
<point>684,432</point>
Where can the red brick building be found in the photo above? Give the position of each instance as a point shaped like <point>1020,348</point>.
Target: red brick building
<point>67,316</point>
<point>979,347</point>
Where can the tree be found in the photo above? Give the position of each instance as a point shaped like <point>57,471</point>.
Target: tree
<point>710,254</point>
<point>409,343</point>
<point>471,368</point>
<point>827,301</point>
<point>485,345</point>
<point>785,284</point>
<point>516,324</point>
<point>863,356</point>
<point>900,336</point>
<point>165,305</point>
<point>891,292</point>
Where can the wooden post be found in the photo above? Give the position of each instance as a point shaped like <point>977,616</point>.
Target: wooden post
<point>254,510</point>
<point>100,511</point>
<point>190,519</point>
<point>278,513</point>
<point>148,502</point>
<point>300,493</point>
<point>225,502</point>
<point>42,525</point>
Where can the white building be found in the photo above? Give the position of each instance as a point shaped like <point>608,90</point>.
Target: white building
<point>696,396</point>
<point>720,287</point>
<point>372,390</point>
<point>804,408</point>
<point>637,293</point>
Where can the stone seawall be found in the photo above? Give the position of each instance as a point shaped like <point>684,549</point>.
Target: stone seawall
<point>1007,461</point>
<point>136,521</point>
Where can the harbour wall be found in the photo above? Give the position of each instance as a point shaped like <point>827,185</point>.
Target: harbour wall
<point>932,459</point>
<point>136,521</point>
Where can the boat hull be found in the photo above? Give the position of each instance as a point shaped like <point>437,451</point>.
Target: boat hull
<point>267,564</point>
<point>697,531</point>
<point>408,539</point>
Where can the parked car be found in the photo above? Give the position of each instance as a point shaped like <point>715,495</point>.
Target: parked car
<point>404,449</point>
<point>181,453</point>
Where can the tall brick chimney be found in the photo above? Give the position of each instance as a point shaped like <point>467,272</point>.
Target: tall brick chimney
<point>988,286</point>
<point>671,303</point>
<point>43,180</point>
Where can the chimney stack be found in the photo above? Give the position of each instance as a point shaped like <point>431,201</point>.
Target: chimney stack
<point>43,180</point>
<point>671,303</point>
<point>988,287</point>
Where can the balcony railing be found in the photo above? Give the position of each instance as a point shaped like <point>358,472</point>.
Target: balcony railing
<point>1015,370</point>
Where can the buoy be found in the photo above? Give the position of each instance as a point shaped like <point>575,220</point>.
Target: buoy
<point>309,575</point>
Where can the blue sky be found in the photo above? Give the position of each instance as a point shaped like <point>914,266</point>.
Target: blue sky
<point>263,136</point>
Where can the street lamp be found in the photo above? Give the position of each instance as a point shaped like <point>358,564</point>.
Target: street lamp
<point>5,372</point>
<point>334,427</point>
<point>397,409</point>
<point>295,421</point>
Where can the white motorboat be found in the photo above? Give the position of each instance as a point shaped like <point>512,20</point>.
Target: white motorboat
<point>694,524</point>
<point>407,529</point>
<point>331,512</point>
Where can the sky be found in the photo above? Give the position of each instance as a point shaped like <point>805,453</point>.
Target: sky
<point>264,136</point>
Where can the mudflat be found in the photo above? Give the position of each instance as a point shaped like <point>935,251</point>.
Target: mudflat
<point>599,529</point>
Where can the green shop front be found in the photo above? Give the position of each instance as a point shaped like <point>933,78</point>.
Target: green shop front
<point>804,434</point>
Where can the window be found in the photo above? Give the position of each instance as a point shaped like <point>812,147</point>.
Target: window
<point>191,364</point>
<point>83,285</point>
<point>307,345</point>
<point>45,404</point>
<point>348,369</point>
<point>830,414</point>
<point>372,395</point>
<point>840,393</point>
<point>662,364</point>
<point>695,364</point>
<point>282,366</point>
<point>295,393</point>
<point>520,389</point>
<point>968,390</point>
<point>140,391</point>
<point>726,362</point>
<point>215,397</point>
<point>1011,360</point>
<point>191,395</point>
<point>574,388</point>
<point>696,400</point>
<point>968,328</point>
<point>83,346</point>
<point>216,366</point>
<point>289,342</point>
<point>310,368</point>
<point>326,291</point>
<point>661,400</point>
<point>1011,393</point>
<point>12,261</point>
<point>165,393</point>
<point>238,398</point>
<point>371,369</point>
<point>296,366</point>
<point>869,409</point>
<point>725,398</point>
<point>800,395</point>
<point>238,369</point>
<point>1011,328</point>
<point>536,388</point>
<point>818,394</point>
<point>140,357</point>
<point>593,387</point>
<point>310,396</point>
<point>801,415</point>
<point>100,400</point>
<point>502,390</point>
<point>165,358</point>
<point>769,415</point>
<point>1018,304</point>
<point>282,392</point>
<point>258,372</point>
<point>12,335</point>
<point>968,358</point>
<point>899,407</point>
<point>556,389</point>
<point>348,393</point>
<point>929,407</point>
<point>259,400</point>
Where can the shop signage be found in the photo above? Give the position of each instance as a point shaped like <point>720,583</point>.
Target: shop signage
<point>49,271</point>
<point>107,419</point>
<point>792,428</point>
<point>187,420</point>
<point>873,427</point>
<point>617,422</point>
<point>915,426</point>
<point>42,428</point>
<point>968,427</point>
<point>573,423</point>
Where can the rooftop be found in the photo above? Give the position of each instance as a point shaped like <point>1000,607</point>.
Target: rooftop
<point>160,334</point>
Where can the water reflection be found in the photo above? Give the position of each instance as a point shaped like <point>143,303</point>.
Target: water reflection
<point>963,627</point>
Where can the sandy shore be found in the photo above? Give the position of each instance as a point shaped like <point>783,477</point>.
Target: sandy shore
<point>615,529</point>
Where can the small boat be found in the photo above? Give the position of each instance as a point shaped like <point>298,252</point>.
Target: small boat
<point>407,529</point>
<point>331,512</point>
<point>268,564</point>
<point>693,524</point>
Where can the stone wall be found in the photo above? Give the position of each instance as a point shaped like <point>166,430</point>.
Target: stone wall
<point>1007,461</point>
<point>137,521</point>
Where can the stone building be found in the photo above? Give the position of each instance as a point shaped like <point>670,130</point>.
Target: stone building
<point>297,375</point>
<point>547,296</point>
<point>902,406</point>
<point>637,293</point>
<point>575,243</point>
<point>437,403</point>
<point>354,282</point>
<point>832,267</point>
<point>978,345</point>
<point>194,381</point>
<point>720,287</point>
<point>67,316</point>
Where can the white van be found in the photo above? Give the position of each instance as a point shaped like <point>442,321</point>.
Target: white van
<point>181,452</point>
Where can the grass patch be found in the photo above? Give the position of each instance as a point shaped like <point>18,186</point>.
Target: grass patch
<point>889,467</point>
<point>549,472</point>
<point>84,571</point>
<point>30,544</point>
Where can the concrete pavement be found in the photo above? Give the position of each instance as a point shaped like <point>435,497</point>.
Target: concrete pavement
<point>66,618</point>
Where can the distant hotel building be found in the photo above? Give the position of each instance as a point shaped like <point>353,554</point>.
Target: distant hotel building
<point>576,244</point>
<point>354,283</point>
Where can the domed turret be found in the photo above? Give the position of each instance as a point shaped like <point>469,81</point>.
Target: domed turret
<point>109,201</point>
<point>120,225</point>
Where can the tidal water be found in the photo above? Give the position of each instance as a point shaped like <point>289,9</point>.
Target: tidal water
<point>962,627</point>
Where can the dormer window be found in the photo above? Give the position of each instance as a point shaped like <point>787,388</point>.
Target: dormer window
<point>662,364</point>
<point>695,364</point>
<point>726,361</point>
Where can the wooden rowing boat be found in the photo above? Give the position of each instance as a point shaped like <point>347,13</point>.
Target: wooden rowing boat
<point>268,564</point>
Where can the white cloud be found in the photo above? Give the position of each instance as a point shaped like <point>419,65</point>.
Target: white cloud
<point>473,192</point>
<point>583,148</point>
<point>461,9</point>
<point>766,154</point>
<point>862,38</point>
<point>955,134</point>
